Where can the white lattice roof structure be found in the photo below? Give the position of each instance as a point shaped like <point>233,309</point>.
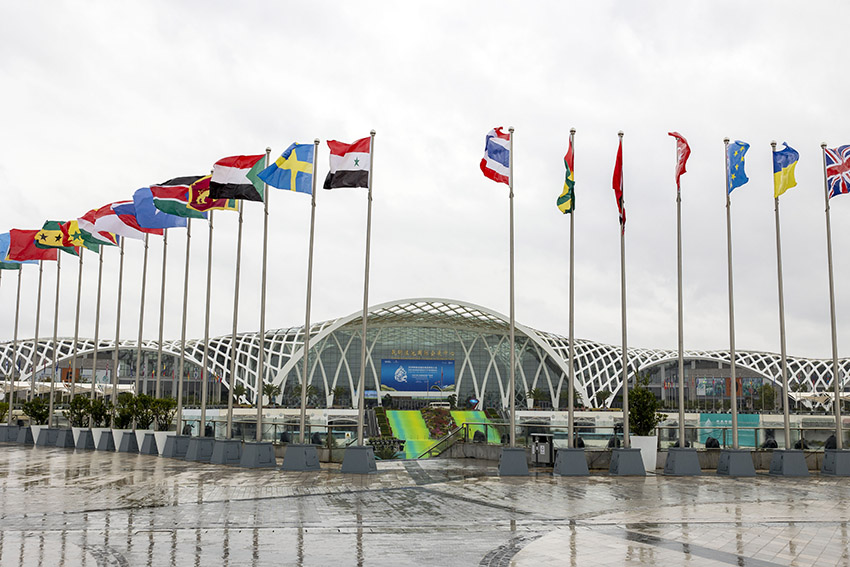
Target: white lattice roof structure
<point>474,336</point>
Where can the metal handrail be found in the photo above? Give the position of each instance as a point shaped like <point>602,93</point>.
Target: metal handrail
<point>452,436</point>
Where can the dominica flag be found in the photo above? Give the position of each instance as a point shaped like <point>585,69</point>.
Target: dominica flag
<point>199,198</point>
<point>566,202</point>
<point>237,177</point>
<point>172,197</point>
<point>52,236</point>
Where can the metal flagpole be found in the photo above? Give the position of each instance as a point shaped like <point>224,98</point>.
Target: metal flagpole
<point>183,330</point>
<point>733,387</point>
<point>161,316</point>
<point>782,323</point>
<point>15,349</point>
<point>572,351</point>
<point>310,292</point>
<point>117,331</point>
<point>141,326</point>
<point>53,370</point>
<point>96,328</point>
<point>836,374</point>
<point>76,325</point>
<point>261,359</point>
<point>682,441</point>
<point>204,371</point>
<point>361,397</point>
<point>626,441</point>
<point>35,360</point>
<point>233,351</point>
<point>511,267</point>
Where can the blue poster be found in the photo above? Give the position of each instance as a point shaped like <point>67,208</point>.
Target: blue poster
<point>401,375</point>
<point>713,424</point>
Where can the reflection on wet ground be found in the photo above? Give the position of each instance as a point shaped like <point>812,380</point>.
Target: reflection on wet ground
<point>61,507</point>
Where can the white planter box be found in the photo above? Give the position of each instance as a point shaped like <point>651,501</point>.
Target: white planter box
<point>648,446</point>
<point>160,439</point>
<point>35,429</point>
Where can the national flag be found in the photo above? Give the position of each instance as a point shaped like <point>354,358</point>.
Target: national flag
<point>149,216</point>
<point>784,162</point>
<point>4,251</point>
<point>125,223</point>
<point>683,152</point>
<point>735,160</point>
<point>199,197</point>
<point>51,235</point>
<point>496,163</point>
<point>350,164</point>
<point>79,237</point>
<point>293,170</point>
<point>837,162</point>
<point>172,197</point>
<point>235,177</point>
<point>22,247</point>
<point>617,183</point>
<point>566,202</point>
<point>87,224</point>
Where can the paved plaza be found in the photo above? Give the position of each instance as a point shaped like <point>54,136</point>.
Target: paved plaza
<point>66,507</point>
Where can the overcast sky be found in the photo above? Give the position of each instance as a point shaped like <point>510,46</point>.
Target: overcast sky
<point>101,98</point>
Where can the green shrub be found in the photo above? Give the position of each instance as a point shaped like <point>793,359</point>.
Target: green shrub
<point>124,409</point>
<point>37,410</point>
<point>4,408</point>
<point>644,416</point>
<point>99,410</point>
<point>163,411</point>
<point>78,411</point>
<point>143,411</point>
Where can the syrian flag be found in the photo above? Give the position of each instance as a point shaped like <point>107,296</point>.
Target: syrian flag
<point>350,164</point>
<point>236,177</point>
<point>496,164</point>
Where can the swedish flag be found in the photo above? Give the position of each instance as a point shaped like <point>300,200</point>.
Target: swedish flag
<point>293,170</point>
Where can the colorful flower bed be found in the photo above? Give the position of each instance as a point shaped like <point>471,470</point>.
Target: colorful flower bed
<point>439,421</point>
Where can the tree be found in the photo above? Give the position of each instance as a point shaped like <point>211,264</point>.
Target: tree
<point>37,410</point>
<point>163,412</point>
<point>143,411</point>
<point>766,397</point>
<point>537,395</point>
<point>644,416</point>
<point>99,410</point>
<point>4,407</point>
<point>601,397</point>
<point>271,391</point>
<point>238,392</point>
<point>78,411</point>
<point>340,393</point>
<point>124,408</point>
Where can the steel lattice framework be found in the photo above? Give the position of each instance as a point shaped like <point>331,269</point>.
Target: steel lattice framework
<point>479,343</point>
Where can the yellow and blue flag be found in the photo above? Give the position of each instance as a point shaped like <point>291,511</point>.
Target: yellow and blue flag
<point>736,175</point>
<point>293,170</point>
<point>784,162</point>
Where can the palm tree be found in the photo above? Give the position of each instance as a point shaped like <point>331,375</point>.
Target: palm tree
<point>340,392</point>
<point>271,391</point>
<point>238,392</point>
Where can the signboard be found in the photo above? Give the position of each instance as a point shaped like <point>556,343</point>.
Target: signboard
<point>713,424</point>
<point>405,375</point>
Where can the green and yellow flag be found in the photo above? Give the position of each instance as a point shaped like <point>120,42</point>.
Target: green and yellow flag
<point>79,237</point>
<point>566,202</point>
<point>52,236</point>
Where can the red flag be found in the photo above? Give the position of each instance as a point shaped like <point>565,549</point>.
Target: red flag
<point>618,186</point>
<point>22,247</point>
<point>683,152</point>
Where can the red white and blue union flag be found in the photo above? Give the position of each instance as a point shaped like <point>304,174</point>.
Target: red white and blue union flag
<point>837,170</point>
<point>496,164</point>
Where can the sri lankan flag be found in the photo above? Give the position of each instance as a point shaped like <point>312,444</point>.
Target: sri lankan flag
<point>51,235</point>
<point>199,198</point>
<point>566,202</point>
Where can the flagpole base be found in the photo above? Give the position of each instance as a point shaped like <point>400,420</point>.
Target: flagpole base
<point>571,462</point>
<point>304,458</point>
<point>12,433</point>
<point>176,446</point>
<point>85,441</point>
<point>788,462</point>
<point>258,456</point>
<point>105,443</point>
<point>836,462</point>
<point>682,461</point>
<point>513,462</point>
<point>200,449</point>
<point>358,459</point>
<point>25,436</point>
<point>65,439</point>
<point>226,452</point>
<point>129,443</point>
<point>736,462</point>
<point>149,445</point>
<point>47,438</point>
<point>626,462</point>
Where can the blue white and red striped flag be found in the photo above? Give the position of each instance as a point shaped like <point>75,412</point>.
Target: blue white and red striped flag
<point>837,170</point>
<point>496,164</point>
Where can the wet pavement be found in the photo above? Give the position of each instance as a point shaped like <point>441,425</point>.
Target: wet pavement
<point>65,507</point>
